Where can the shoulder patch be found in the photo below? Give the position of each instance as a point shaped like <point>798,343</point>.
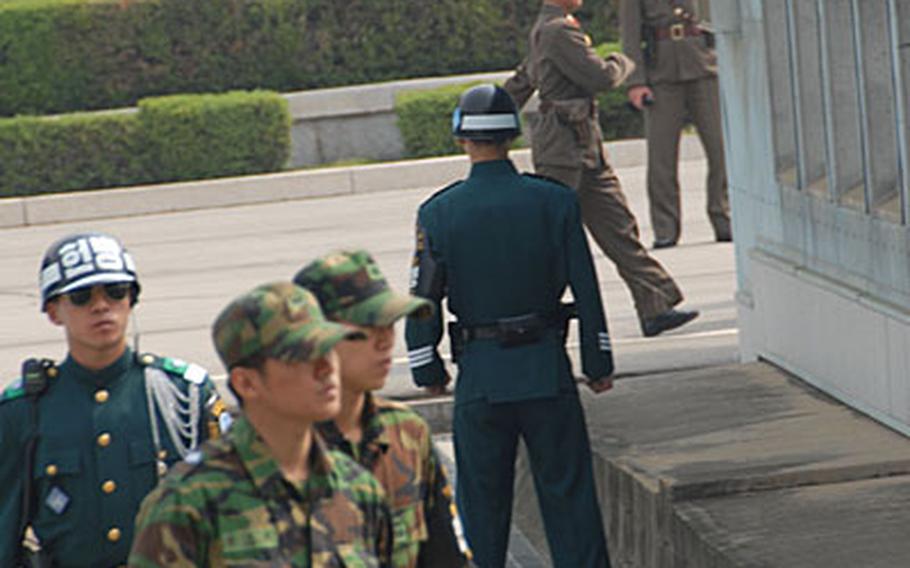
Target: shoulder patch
<point>176,368</point>
<point>13,391</point>
<point>441,191</point>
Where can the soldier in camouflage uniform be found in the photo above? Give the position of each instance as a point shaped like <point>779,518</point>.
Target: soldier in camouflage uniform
<point>386,437</point>
<point>270,493</point>
<point>84,441</point>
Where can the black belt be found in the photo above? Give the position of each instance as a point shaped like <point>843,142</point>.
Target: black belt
<point>492,331</point>
<point>677,32</point>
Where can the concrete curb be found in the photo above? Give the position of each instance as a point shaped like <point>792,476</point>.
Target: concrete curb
<point>283,186</point>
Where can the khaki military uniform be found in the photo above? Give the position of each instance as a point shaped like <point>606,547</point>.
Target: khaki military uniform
<point>681,69</point>
<point>567,146</point>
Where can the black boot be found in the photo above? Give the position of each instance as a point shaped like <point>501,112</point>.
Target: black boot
<point>670,319</point>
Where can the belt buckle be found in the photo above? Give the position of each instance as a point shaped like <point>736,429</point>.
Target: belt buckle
<point>677,32</point>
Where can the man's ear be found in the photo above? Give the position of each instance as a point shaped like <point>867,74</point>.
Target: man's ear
<point>53,314</point>
<point>246,382</point>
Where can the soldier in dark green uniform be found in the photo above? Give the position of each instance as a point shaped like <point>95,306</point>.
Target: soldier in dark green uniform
<point>567,145</point>
<point>503,247</point>
<point>270,493</point>
<point>388,438</point>
<point>84,441</point>
<point>676,75</point>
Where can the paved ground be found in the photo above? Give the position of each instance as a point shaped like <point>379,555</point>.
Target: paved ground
<point>191,264</point>
<point>741,466</point>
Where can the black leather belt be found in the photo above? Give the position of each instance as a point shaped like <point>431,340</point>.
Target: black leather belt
<point>677,32</point>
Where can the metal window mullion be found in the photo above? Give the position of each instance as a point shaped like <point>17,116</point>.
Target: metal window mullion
<point>900,115</point>
<point>863,117</point>
<point>793,54</point>
<point>834,182</point>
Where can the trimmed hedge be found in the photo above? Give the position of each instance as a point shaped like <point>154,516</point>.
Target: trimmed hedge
<point>424,117</point>
<point>169,139</point>
<point>64,55</point>
<point>45,155</point>
<point>425,120</point>
<point>201,136</point>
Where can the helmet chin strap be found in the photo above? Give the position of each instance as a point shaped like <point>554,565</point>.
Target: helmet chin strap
<point>135,325</point>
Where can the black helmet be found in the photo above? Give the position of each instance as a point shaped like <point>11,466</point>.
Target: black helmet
<point>486,112</point>
<point>83,260</point>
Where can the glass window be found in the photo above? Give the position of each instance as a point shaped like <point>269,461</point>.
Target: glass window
<point>810,106</point>
<point>880,120</point>
<point>902,15</point>
<point>781,88</point>
<point>844,140</point>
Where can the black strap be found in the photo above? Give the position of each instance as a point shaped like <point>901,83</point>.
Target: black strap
<point>559,318</point>
<point>35,383</point>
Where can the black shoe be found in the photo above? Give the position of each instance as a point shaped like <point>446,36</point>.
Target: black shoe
<point>723,238</point>
<point>664,243</point>
<point>670,319</point>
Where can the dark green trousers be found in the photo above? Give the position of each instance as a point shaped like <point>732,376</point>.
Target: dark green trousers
<point>553,429</point>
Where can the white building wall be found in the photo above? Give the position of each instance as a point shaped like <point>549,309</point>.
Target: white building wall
<point>814,99</point>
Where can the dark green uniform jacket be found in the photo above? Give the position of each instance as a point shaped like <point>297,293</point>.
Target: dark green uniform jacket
<point>504,245</point>
<point>95,459</point>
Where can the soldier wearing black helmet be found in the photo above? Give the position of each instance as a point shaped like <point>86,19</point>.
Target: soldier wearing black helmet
<point>84,441</point>
<point>502,247</point>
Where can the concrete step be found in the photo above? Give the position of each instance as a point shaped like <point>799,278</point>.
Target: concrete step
<point>741,465</point>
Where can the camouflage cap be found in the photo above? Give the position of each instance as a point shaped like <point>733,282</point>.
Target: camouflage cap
<point>351,288</point>
<point>278,321</point>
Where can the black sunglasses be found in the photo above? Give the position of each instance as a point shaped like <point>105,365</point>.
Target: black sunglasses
<point>115,292</point>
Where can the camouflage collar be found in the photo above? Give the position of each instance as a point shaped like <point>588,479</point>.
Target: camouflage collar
<point>264,471</point>
<point>375,441</point>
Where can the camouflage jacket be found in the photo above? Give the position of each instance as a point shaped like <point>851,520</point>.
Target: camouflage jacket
<point>397,448</point>
<point>230,505</point>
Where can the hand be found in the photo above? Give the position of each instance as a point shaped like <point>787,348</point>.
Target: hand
<point>637,96</point>
<point>600,385</point>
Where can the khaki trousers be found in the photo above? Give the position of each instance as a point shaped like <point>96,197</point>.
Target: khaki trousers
<point>664,120</point>
<point>606,214</point>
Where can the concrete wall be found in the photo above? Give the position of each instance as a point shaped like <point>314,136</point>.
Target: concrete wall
<point>823,268</point>
<point>346,123</point>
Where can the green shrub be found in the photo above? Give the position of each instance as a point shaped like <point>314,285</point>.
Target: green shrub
<point>424,117</point>
<point>425,120</point>
<point>201,136</point>
<point>618,119</point>
<point>175,138</point>
<point>41,155</point>
<point>63,55</point>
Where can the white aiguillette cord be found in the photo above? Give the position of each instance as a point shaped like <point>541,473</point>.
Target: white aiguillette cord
<point>179,411</point>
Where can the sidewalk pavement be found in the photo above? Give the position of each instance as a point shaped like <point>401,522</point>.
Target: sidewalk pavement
<point>741,466</point>
<point>282,186</point>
